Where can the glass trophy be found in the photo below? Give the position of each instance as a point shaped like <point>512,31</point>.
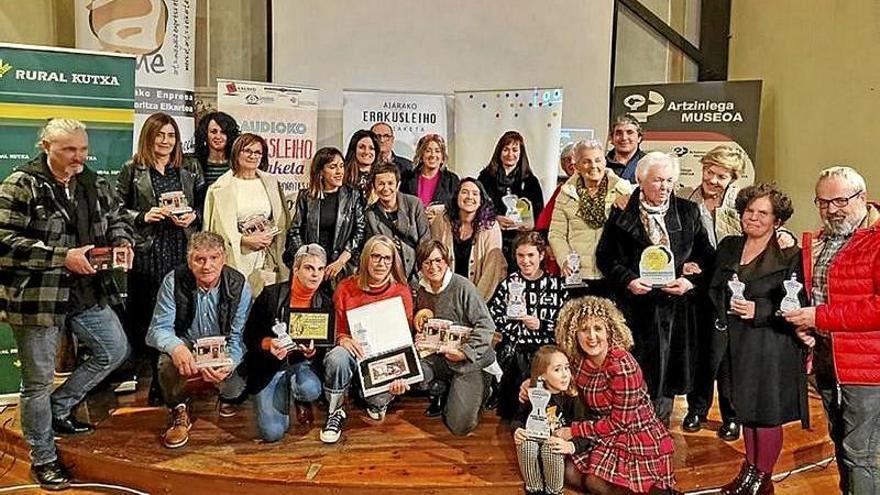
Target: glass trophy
<point>280,331</point>
<point>516,298</point>
<point>657,266</point>
<point>510,203</point>
<point>573,260</point>
<point>791,301</point>
<point>538,424</point>
<point>737,288</point>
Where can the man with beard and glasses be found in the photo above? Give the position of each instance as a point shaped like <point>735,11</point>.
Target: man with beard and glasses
<point>842,275</point>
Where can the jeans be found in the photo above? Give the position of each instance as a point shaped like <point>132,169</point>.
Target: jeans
<point>339,368</point>
<point>97,328</point>
<point>272,404</point>
<point>467,392</point>
<point>173,385</point>
<point>853,413</point>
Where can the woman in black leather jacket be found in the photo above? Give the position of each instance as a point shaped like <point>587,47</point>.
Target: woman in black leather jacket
<point>330,214</point>
<point>160,233</point>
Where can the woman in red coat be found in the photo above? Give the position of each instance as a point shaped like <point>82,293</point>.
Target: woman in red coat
<point>632,451</point>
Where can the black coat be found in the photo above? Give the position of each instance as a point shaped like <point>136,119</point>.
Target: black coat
<point>665,327</point>
<point>350,227</point>
<point>135,189</point>
<point>446,188</point>
<point>528,188</point>
<point>273,304</point>
<point>768,375</point>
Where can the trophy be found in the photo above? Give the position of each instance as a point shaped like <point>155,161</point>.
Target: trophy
<point>280,331</point>
<point>538,424</point>
<point>657,266</point>
<point>512,212</point>
<point>574,279</point>
<point>737,288</point>
<point>790,302</point>
<point>176,202</point>
<point>516,299</point>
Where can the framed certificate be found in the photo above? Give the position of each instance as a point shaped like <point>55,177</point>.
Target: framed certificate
<point>311,324</point>
<point>378,371</point>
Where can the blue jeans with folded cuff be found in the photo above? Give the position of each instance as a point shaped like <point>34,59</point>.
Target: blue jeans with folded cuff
<point>96,328</point>
<point>272,404</point>
<point>339,370</point>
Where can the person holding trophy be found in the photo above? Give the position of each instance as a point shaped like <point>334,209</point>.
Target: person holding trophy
<point>583,205</point>
<point>642,254</point>
<point>754,282</point>
<point>552,404</point>
<point>524,308</point>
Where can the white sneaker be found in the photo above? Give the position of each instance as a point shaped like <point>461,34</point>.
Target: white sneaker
<point>126,386</point>
<point>333,427</point>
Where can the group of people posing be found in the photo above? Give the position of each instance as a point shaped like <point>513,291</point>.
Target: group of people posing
<point>612,350</point>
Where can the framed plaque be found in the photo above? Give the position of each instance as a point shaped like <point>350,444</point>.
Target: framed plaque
<point>379,370</point>
<point>306,325</point>
<point>657,266</point>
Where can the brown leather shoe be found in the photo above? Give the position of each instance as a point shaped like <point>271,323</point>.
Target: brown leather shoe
<point>304,415</point>
<point>177,434</point>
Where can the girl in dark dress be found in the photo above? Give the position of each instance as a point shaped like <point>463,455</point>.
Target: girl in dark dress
<point>768,380</point>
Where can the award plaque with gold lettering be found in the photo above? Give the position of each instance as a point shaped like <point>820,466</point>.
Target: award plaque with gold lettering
<point>657,266</point>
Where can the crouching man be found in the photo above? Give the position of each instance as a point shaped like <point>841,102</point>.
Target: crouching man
<point>202,299</point>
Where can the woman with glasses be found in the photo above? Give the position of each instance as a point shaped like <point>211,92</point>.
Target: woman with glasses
<point>329,213</point>
<point>161,234</point>
<point>246,207</point>
<point>361,160</point>
<point>380,276</point>
<point>472,236</point>
<point>399,216</point>
<point>431,181</point>
<point>768,383</point>
<point>454,375</point>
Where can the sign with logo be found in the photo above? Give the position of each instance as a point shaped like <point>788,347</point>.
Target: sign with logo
<point>161,34</point>
<point>38,84</point>
<point>285,116</point>
<point>690,119</point>
<point>410,116</point>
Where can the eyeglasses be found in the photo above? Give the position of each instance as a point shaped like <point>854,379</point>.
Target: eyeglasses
<point>837,202</point>
<point>383,137</point>
<point>247,152</point>
<point>378,258</point>
<point>433,262</point>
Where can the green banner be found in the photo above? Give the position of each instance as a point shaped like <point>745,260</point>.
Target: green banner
<point>40,83</point>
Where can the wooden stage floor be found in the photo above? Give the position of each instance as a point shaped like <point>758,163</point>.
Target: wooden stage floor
<point>407,453</point>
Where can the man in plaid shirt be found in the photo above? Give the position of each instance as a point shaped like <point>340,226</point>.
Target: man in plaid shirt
<point>53,210</point>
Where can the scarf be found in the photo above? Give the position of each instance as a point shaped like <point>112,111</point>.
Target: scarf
<point>654,221</point>
<point>592,209</point>
<point>300,295</point>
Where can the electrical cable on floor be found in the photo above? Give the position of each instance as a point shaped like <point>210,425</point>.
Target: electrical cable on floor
<point>823,464</point>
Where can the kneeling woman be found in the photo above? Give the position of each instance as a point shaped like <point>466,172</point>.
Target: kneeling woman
<point>274,372</point>
<point>379,277</point>
<point>455,377</point>
<point>632,451</point>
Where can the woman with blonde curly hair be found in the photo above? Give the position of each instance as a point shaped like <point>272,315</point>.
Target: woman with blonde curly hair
<point>631,450</point>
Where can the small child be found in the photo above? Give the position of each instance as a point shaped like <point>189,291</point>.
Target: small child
<point>542,462</point>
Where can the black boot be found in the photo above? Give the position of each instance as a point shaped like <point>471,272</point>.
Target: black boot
<point>52,476</point>
<point>761,484</point>
<point>735,487</point>
<point>692,422</point>
<point>435,408</point>
<point>729,431</point>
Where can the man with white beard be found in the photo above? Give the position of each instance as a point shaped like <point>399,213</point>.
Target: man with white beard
<point>842,274</point>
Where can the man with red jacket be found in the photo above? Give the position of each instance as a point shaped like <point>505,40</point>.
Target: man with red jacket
<point>842,273</point>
